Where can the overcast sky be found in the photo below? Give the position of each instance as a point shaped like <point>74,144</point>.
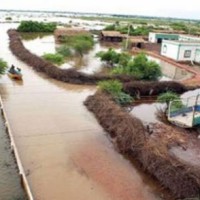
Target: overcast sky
<point>166,8</point>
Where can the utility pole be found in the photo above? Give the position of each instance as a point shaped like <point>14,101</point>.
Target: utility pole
<point>127,38</point>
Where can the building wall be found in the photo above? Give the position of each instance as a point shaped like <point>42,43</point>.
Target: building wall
<point>197,55</point>
<point>169,50</point>
<point>155,37</point>
<point>152,37</point>
<point>181,52</point>
<point>186,53</point>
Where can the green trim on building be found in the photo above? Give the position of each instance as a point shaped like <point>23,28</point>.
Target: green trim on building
<point>167,36</point>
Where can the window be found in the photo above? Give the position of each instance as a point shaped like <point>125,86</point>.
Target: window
<point>187,53</point>
<point>164,48</point>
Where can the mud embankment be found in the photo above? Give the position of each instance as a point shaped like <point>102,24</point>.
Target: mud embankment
<point>41,65</point>
<point>131,137</point>
<point>149,88</point>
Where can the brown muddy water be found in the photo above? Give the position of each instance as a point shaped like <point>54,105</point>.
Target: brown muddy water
<point>90,64</point>
<point>64,151</point>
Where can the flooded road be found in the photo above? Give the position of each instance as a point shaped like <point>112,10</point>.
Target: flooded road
<point>64,151</point>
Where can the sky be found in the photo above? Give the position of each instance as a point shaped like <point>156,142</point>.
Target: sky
<point>164,8</point>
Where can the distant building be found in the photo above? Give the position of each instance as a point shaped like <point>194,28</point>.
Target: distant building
<point>112,36</point>
<point>159,37</point>
<point>61,33</point>
<point>137,41</point>
<point>181,50</point>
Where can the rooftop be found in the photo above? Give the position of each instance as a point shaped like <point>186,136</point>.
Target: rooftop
<point>182,42</point>
<point>113,34</point>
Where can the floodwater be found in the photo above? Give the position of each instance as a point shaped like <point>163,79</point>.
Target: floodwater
<point>64,151</point>
<point>90,64</point>
<point>146,112</point>
<point>10,186</point>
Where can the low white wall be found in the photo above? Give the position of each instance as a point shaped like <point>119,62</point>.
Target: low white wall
<point>152,37</point>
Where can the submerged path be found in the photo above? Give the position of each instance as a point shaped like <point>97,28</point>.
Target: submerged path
<point>64,151</point>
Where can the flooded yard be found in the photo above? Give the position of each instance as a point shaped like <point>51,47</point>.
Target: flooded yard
<point>90,64</point>
<point>65,152</point>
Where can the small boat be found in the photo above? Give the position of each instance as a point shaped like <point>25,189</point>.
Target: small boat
<point>185,113</point>
<point>15,76</point>
<point>15,73</point>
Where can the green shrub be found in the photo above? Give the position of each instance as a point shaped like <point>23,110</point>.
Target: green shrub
<point>34,26</point>
<point>80,43</point>
<point>114,88</point>
<point>167,97</point>
<point>64,50</point>
<point>171,97</point>
<point>3,66</point>
<point>54,58</point>
<point>140,67</point>
<point>122,98</point>
<point>110,56</point>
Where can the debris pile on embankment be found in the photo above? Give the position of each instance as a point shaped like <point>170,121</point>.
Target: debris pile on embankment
<point>131,137</point>
<point>41,65</point>
<point>147,88</point>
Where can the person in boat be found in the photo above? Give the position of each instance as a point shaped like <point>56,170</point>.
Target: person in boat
<point>18,71</point>
<point>12,70</point>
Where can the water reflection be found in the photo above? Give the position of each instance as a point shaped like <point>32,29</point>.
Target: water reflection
<point>91,64</point>
<point>32,36</point>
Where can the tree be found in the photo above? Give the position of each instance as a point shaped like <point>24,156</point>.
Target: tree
<point>110,56</point>
<point>64,50</point>
<point>142,68</point>
<point>82,46</point>
<point>3,66</point>
<point>80,43</point>
<point>168,97</point>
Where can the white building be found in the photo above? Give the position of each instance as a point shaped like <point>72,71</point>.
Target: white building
<point>181,50</point>
<point>159,37</point>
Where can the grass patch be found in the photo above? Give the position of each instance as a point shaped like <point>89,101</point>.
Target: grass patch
<point>54,58</point>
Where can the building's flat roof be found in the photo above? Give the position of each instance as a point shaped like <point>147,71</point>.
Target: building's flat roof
<point>160,33</point>
<point>113,34</point>
<point>190,36</point>
<point>182,42</point>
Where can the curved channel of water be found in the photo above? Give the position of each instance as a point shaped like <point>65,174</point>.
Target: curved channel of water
<point>64,151</point>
